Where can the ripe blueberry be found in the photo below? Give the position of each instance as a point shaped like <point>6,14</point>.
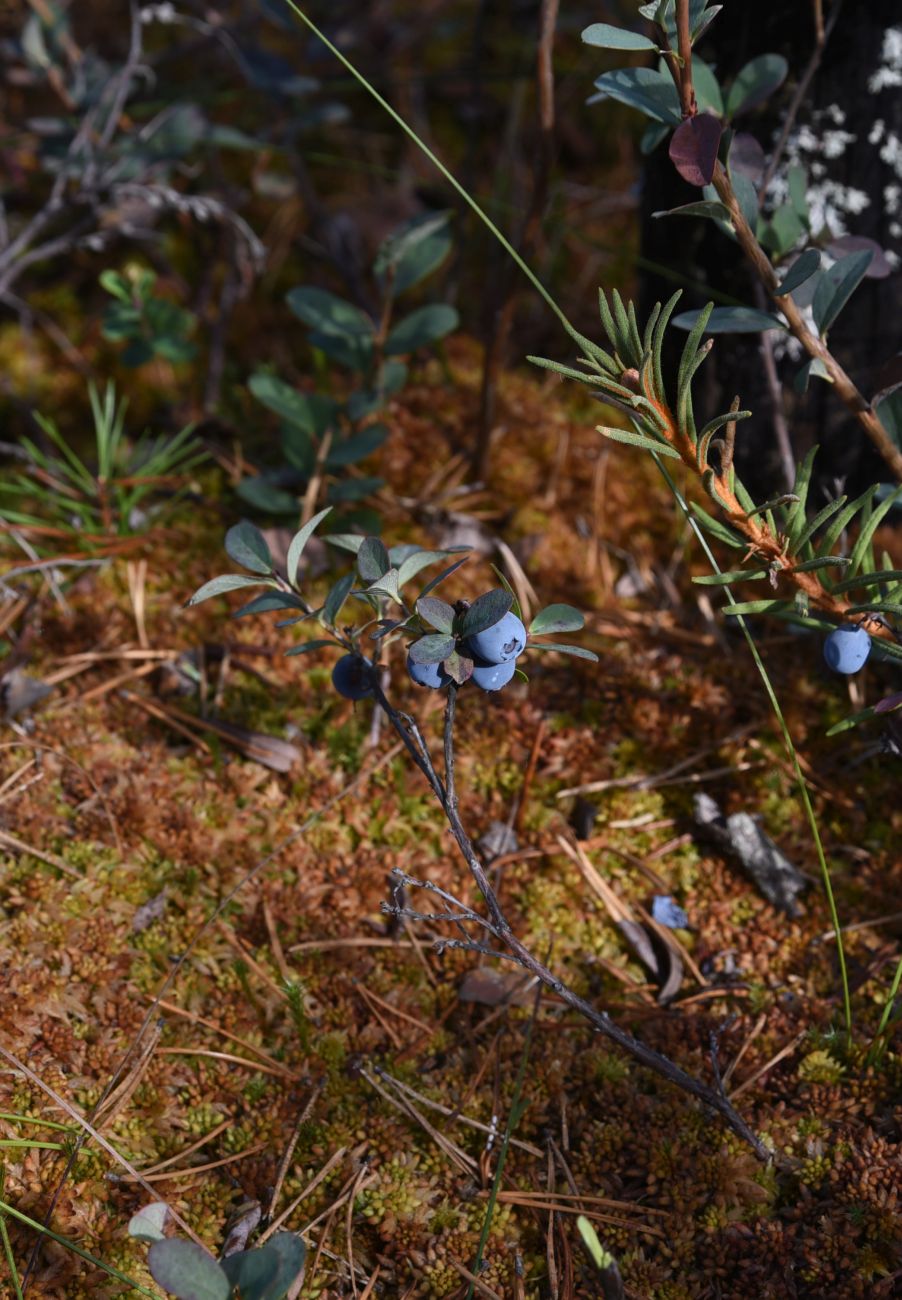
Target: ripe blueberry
<point>351,677</point>
<point>491,677</point>
<point>846,648</point>
<point>431,675</point>
<point>501,643</point>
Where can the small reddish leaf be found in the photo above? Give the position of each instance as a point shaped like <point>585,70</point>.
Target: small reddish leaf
<point>693,149</point>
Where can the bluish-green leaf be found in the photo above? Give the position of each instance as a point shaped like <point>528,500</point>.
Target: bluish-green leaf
<point>299,541</point>
<point>424,326</point>
<point>291,1253</point>
<point>337,596</point>
<point>486,610</point>
<point>252,1271</point>
<point>707,87</point>
<point>731,320</point>
<point>311,411</point>
<point>606,37</point>
<point>263,495</point>
<point>226,582</point>
<point>437,613</point>
<point>372,559</point>
<point>440,577</point>
<point>329,314</point>
<point>268,603</point>
<point>187,1270</point>
<point>246,545</point>
<point>801,270</point>
<point>432,649</point>
<point>755,82</point>
<point>307,646</point>
<point>413,252</point>
<point>149,1224</point>
<point>836,286</point>
<point>351,351</point>
<point>703,208</point>
<point>557,618</point>
<point>652,92</point>
<point>354,489</point>
<point>578,651</point>
<point>348,451</point>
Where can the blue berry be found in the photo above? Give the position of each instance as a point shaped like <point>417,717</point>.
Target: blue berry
<point>351,677</point>
<point>431,675</point>
<point>491,677</point>
<point>847,648</point>
<point>501,643</point>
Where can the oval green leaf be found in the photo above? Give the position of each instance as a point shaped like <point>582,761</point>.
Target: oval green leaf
<point>187,1270</point>
<point>424,326</point>
<point>557,618</point>
<point>246,545</point>
<point>606,37</point>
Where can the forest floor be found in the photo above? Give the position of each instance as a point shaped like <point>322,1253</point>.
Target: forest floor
<point>308,1056</point>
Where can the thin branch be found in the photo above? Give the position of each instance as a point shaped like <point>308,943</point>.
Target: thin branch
<point>843,385</point>
<point>822,32</point>
<point>518,952</point>
<point>688,104</point>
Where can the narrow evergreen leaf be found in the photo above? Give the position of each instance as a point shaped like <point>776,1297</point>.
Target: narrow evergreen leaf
<point>787,498</point>
<point>853,720</point>
<point>842,520</point>
<point>734,575</point>
<point>756,607</point>
<point>867,580</point>
<point>796,518</point>
<point>863,541</point>
<point>879,607</point>
<point>822,562</point>
<point>567,371</point>
<point>819,520</point>
<point>717,529</point>
<point>639,440</point>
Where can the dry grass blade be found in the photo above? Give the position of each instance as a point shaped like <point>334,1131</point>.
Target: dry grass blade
<point>68,1109</point>
<point>19,846</point>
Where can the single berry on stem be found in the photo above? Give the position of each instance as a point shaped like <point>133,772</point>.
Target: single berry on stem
<point>351,677</point>
<point>846,648</point>
<point>492,677</point>
<point>431,675</point>
<point>500,643</point>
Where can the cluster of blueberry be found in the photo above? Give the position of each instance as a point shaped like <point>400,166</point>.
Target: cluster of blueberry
<point>846,648</point>
<point>494,652</point>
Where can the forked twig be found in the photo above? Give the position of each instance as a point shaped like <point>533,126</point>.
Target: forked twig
<point>501,930</point>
